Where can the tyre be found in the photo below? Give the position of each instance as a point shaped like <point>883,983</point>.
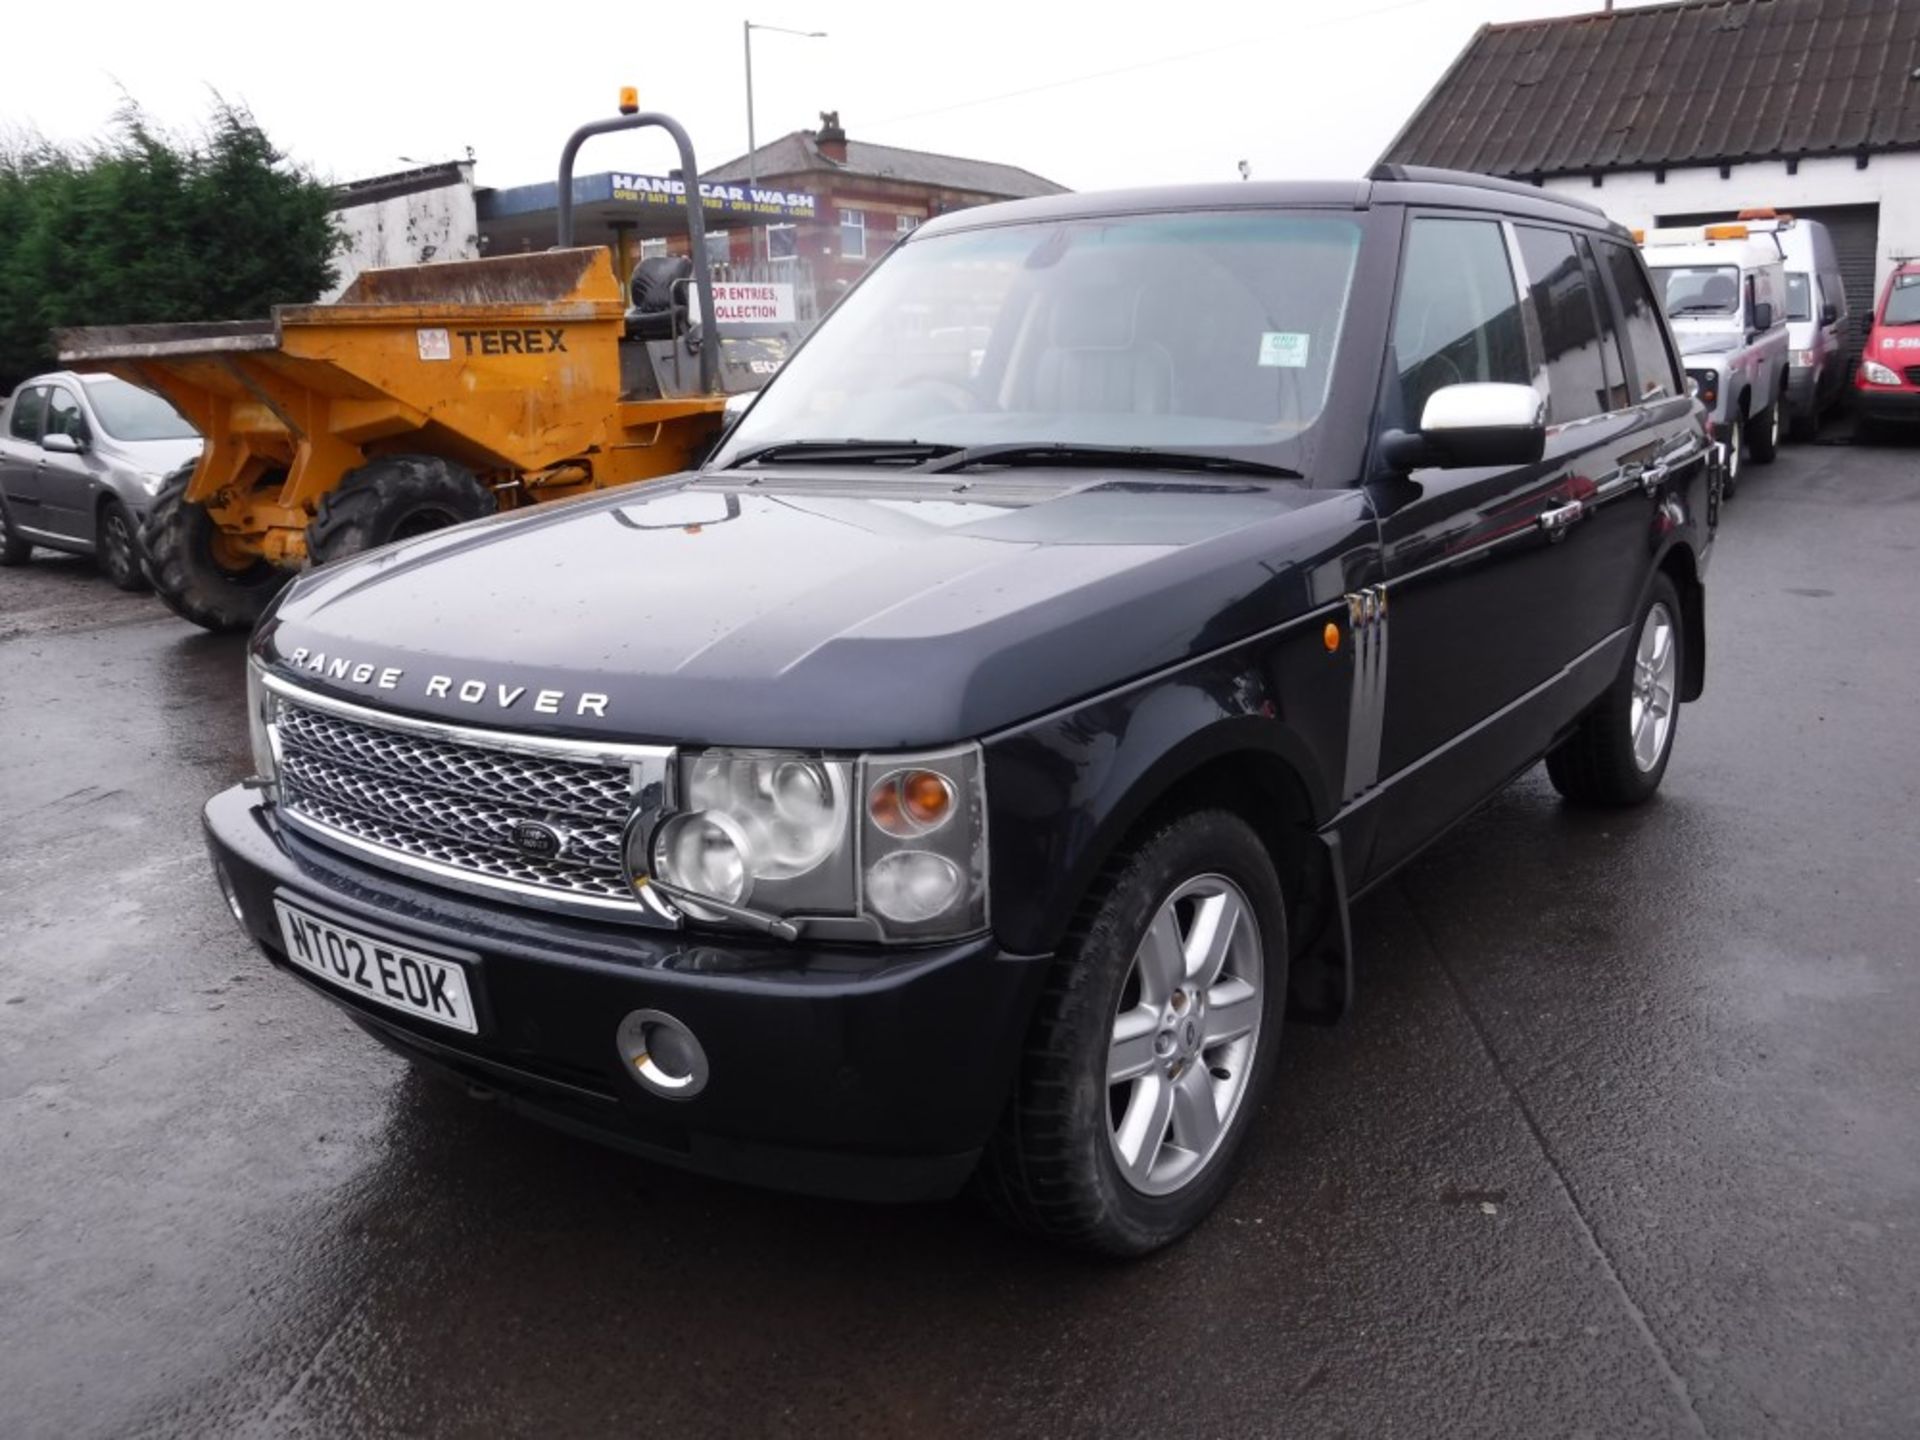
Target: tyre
<point>1763,436</point>
<point>187,570</point>
<point>1151,1045</point>
<point>116,548</point>
<point>1736,443</point>
<point>1619,752</point>
<point>14,548</point>
<point>394,498</point>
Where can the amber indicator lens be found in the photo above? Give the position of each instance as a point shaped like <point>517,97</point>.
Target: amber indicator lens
<point>1331,636</point>
<point>911,802</point>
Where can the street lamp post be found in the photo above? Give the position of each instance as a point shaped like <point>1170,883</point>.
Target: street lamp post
<point>747,27</point>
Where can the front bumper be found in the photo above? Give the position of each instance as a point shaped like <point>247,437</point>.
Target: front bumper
<point>856,1072</point>
<point>1887,404</point>
<point>1802,390</point>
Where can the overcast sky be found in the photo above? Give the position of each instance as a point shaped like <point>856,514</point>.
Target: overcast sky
<point>1088,95</point>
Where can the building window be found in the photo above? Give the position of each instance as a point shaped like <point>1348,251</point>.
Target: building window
<point>905,225</point>
<point>719,247</point>
<point>853,234</point>
<point>652,246</point>
<point>783,243</point>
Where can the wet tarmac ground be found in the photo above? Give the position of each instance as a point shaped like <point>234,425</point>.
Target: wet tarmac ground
<point>1624,1138</point>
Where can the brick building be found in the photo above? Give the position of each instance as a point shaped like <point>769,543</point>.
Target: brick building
<point>865,197</point>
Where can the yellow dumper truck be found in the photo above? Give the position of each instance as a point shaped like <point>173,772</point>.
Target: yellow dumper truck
<point>425,396</point>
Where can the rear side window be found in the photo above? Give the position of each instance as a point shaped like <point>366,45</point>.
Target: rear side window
<point>1458,318</point>
<point>1640,323</point>
<point>1569,326</point>
<point>27,412</point>
<point>1618,397</point>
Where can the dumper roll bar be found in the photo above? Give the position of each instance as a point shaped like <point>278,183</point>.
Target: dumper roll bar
<point>696,219</point>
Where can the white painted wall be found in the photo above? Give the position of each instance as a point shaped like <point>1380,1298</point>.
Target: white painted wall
<point>412,229</point>
<point>1892,182</point>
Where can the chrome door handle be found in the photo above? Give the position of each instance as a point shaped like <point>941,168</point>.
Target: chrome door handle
<point>1557,521</point>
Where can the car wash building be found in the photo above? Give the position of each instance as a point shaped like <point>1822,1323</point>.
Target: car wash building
<point>808,212</point>
<point>1682,113</point>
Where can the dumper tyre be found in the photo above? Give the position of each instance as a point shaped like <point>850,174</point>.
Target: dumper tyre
<point>394,498</point>
<point>178,541</point>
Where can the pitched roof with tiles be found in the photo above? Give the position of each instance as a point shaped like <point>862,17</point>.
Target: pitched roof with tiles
<point>1702,82</point>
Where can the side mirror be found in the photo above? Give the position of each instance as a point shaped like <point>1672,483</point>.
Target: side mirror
<point>1829,313</point>
<point>1763,315</point>
<point>1473,424</point>
<point>60,443</point>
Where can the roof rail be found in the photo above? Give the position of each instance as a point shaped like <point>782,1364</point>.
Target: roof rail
<point>1435,175</point>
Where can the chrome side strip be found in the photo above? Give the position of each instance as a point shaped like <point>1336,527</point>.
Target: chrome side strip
<point>1366,715</point>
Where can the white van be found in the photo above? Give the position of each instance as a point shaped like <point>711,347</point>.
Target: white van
<point>1816,315</point>
<point>1724,290</point>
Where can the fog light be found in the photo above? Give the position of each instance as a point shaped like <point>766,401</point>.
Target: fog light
<point>662,1054</point>
<point>232,895</point>
<point>909,886</point>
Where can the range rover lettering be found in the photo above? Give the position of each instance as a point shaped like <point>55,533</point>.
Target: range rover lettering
<point>992,736</point>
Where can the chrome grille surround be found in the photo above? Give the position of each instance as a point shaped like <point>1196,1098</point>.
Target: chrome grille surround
<point>441,800</point>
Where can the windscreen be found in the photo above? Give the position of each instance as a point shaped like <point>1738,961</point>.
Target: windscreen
<point>1208,333</point>
<point>127,412</point>
<point>1903,305</point>
<point>1698,289</point>
<point>1799,297</point>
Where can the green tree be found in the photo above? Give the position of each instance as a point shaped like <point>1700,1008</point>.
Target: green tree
<point>144,227</point>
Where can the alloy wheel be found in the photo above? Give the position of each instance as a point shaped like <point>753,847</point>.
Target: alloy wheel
<point>1184,1035</point>
<point>116,547</point>
<point>1655,661</point>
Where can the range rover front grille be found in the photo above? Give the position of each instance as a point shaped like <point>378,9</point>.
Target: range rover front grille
<point>419,798</point>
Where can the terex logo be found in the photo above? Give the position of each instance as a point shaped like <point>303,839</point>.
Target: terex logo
<point>532,340</point>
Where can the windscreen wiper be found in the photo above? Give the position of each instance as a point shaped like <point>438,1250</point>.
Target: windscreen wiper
<point>1701,310</point>
<point>845,452</point>
<point>1132,457</point>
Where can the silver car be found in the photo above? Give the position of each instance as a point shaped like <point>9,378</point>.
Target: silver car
<point>81,458</point>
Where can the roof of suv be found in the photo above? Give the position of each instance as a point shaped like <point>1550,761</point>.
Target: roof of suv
<point>1388,185</point>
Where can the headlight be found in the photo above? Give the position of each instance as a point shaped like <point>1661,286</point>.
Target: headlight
<point>893,844</point>
<point>262,707</point>
<point>767,831</point>
<point>1877,373</point>
<point>152,480</point>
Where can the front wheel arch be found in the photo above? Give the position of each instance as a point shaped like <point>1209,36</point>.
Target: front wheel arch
<point>1261,771</point>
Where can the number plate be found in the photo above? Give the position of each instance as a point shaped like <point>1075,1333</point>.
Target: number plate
<point>423,985</point>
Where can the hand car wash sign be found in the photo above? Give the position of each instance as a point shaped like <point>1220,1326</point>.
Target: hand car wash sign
<point>755,201</point>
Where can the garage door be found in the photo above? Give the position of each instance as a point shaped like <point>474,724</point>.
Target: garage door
<point>1856,241</point>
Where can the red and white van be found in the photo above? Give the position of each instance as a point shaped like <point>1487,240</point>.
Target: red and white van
<point>1887,384</point>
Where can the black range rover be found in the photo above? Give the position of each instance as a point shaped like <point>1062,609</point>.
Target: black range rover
<point>968,769</point>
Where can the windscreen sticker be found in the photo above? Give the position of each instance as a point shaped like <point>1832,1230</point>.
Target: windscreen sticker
<point>1286,349</point>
